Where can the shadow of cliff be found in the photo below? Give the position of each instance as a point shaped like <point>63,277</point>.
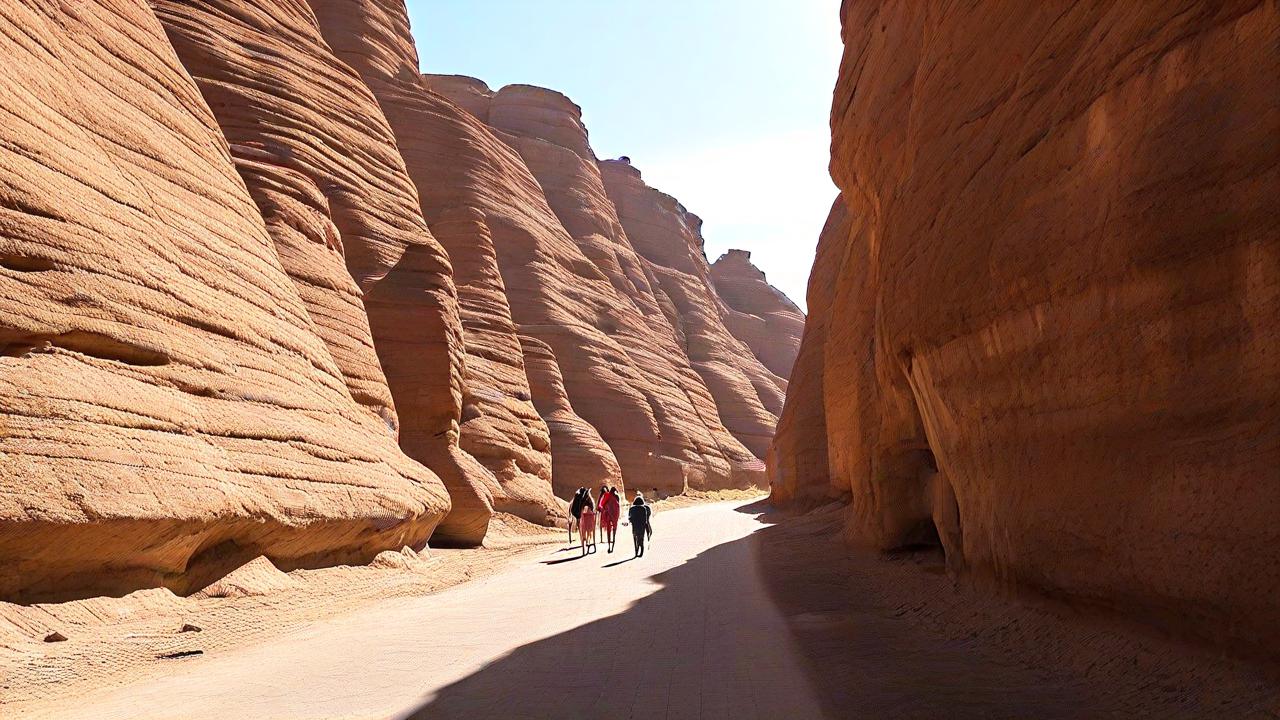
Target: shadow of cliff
<point>891,635</point>
<point>672,655</point>
<point>651,661</point>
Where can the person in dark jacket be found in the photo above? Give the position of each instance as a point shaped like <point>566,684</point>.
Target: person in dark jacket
<point>575,510</point>
<point>639,515</point>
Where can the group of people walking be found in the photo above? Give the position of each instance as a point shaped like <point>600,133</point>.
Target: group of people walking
<point>584,511</point>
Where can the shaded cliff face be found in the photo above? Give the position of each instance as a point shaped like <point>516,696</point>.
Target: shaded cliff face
<point>168,404</point>
<point>1063,258</point>
<point>669,238</point>
<point>546,129</point>
<point>760,315</point>
<point>798,458</point>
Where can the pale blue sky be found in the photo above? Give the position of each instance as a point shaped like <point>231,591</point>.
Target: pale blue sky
<point>721,103</point>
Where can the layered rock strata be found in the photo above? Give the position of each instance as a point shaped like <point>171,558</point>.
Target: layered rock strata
<point>500,423</point>
<point>670,239</point>
<point>168,407</point>
<point>284,100</point>
<point>264,293</point>
<point>1062,270</point>
<point>760,315</point>
<point>546,129</point>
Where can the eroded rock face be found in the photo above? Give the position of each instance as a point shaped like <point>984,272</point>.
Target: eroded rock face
<point>1064,260</point>
<point>276,188</point>
<point>283,100</point>
<point>798,466</point>
<point>501,425</point>
<point>669,238</point>
<point>169,407</point>
<point>692,447</point>
<point>579,456</point>
<point>760,315</point>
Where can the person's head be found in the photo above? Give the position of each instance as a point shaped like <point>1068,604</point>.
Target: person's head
<point>580,491</point>
<point>639,499</point>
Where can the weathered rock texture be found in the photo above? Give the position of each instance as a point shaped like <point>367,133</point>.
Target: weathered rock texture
<point>168,407</point>
<point>670,239</point>
<point>264,293</point>
<point>760,315</point>
<point>1052,337</point>
<point>580,457</point>
<point>500,425</point>
<point>320,159</point>
<point>798,458</point>
<point>693,447</point>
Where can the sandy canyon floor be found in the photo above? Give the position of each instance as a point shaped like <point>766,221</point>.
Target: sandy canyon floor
<point>733,613</point>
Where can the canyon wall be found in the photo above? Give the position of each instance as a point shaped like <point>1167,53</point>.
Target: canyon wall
<point>669,238</point>
<point>662,423</point>
<point>1051,339</point>
<point>267,290</point>
<point>316,153</point>
<point>169,406</point>
<point>759,314</point>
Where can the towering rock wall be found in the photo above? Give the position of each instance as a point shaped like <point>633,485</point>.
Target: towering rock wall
<point>500,424</point>
<point>669,238</point>
<point>546,129</point>
<point>798,465</point>
<point>1063,258</point>
<point>263,292</point>
<point>168,406</point>
<point>760,315</point>
<point>321,162</point>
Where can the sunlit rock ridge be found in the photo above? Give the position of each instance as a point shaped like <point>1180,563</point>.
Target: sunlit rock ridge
<point>265,289</point>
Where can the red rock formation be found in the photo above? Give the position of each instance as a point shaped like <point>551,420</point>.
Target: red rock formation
<point>759,314</point>
<point>798,458</point>
<point>556,294</point>
<point>580,457</point>
<point>278,188</point>
<point>1064,261</point>
<point>168,408</point>
<point>460,168</point>
<point>311,135</point>
<point>669,238</point>
<point>501,426</point>
<point>546,129</point>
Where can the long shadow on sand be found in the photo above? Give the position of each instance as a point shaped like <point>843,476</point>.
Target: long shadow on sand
<point>693,650</point>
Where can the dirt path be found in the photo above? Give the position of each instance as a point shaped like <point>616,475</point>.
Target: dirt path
<point>726,617</point>
<point>686,631</point>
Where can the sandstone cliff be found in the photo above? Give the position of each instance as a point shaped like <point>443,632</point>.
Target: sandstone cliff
<point>168,405</point>
<point>638,389</point>
<point>1051,341</point>
<point>798,463</point>
<point>499,422</point>
<point>264,292</point>
<point>670,239</point>
<point>694,447</point>
<point>760,315</point>
<point>318,156</point>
